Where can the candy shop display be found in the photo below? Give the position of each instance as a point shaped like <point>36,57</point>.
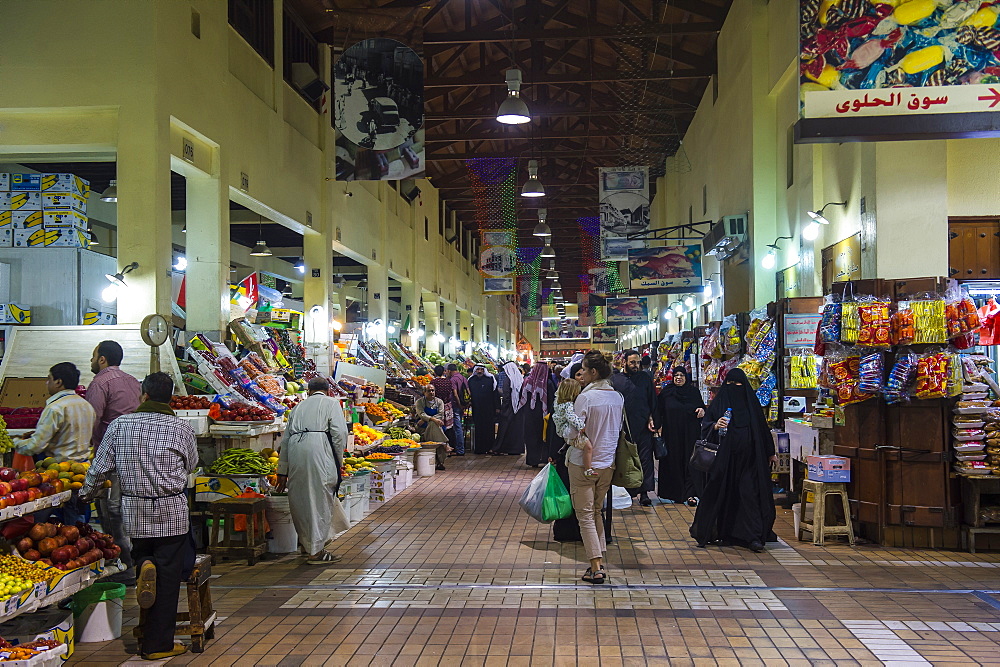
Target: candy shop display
<point>874,327</point>
<point>933,373</point>
<point>845,380</point>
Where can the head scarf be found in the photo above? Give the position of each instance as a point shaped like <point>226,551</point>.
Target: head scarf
<point>536,387</point>
<point>687,394</point>
<point>575,360</point>
<point>515,378</point>
<point>574,369</point>
<point>486,372</point>
<point>746,408</point>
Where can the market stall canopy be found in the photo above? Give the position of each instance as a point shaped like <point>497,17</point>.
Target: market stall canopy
<point>32,351</point>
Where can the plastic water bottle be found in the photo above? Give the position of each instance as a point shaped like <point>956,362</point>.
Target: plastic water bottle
<point>725,429</point>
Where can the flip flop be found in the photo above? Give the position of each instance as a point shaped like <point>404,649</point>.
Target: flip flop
<point>326,559</point>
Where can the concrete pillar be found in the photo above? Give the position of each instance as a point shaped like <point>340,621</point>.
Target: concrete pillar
<point>207,252</point>
<point>144,233</point>
<point>378,298</point>
<point>317,252</point>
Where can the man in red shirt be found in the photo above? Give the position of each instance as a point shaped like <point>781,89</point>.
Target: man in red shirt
<point>112,393</point>
<point>445,390</point>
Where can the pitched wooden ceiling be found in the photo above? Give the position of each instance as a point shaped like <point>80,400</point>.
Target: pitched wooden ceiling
<point>608,82</point>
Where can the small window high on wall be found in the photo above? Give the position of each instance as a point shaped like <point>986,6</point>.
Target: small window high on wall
<point>254,21</point>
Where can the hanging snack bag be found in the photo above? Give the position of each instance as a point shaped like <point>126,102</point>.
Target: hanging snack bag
<point>901,377</point>
<point>933,373</point>
<point>845,377</point>
<point>802,371</point>
<point>901,326</point>
<point>874,329</point>
<point>850,322</point>
<point>870,371</point>
<point>829,324</point>
<point>929,325</point>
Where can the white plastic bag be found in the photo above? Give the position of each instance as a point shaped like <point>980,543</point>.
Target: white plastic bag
<point>620,499</point>
<point>534,495</point>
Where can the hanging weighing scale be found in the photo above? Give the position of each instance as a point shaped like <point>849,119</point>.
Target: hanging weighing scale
<point>154,330</point>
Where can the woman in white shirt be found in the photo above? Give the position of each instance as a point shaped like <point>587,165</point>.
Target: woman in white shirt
<point>600,407</point>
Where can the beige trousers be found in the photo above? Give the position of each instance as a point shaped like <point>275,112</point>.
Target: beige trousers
<point>588,494</point>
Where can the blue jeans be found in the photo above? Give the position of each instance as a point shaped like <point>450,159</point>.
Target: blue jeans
<point>458,430</point>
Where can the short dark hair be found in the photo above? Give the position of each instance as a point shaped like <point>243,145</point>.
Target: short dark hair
<point>630,353</point>
<point>68,373</point>
<point>452,367</point>
<point>318,384</point>
<point>439,370</point>
<point>111,351</point>
<point>158,386</point>
<point>646,362</point>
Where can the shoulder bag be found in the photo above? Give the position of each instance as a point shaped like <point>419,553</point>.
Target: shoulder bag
<point>628,468</point>
<point>703,454</point>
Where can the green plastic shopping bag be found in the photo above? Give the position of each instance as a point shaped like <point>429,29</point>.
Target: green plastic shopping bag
<point>546,498</point>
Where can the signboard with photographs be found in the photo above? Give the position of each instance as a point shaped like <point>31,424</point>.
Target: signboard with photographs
<point>604,334</point>
<point>624,200</point>
<point>378,98</point>
<point>627,310</point>
<point>554,330</point>
<point>498,261</point>
<point>665,270</point>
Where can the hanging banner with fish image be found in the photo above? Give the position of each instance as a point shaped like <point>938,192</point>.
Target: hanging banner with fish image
<point>627,310</point>
<point>666,270</point>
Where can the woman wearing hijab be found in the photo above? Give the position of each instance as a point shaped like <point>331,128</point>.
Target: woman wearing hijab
<point>510,433</point>
<point>737,506</point>
<point>568,529</point>
<point>681,410</point>
<point>485,404</point>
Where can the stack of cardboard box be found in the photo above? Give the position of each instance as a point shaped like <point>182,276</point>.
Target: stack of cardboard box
<point>43,210</point>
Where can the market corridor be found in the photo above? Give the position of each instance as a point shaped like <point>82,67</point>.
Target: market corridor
<point>451,572</point>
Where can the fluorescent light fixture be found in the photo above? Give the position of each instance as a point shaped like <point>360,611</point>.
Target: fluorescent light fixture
<point>551,275</point>
<point>533,187</point>
<point>548,252</point>
<point>260,250</point>
<point>513,110</point>
<point>542,230</point>
<point>111,194</point>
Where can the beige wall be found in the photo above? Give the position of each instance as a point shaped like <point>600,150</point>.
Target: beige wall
<point>125,80</point>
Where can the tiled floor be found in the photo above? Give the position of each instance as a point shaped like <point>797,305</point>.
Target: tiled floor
<point>451,572</point>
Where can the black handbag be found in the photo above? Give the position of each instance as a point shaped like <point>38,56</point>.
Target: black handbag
<point>703,455</point>
<point>659,447</point>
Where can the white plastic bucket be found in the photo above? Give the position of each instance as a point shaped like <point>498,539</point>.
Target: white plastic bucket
<point>796,517</point>
<point>283,538</point>
<point>425,463</point>
<point>100,622</point>
<point>356,507</point>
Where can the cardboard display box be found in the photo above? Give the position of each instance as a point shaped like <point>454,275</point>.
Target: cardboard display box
<point>829,468</point>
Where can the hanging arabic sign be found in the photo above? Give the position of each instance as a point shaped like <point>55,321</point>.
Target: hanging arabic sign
<point>554,330</point>
<point>665,270</point>
<point>627,310</point>
<point>624,198</point>
<point>901,59</point>
<point>604,334</point>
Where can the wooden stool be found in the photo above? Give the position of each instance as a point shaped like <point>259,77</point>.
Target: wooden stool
<point>251,543</point>
<point>817,526</point>
<point>199,620</point>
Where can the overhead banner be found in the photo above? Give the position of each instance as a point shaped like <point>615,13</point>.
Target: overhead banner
<point>926,58</point>
<point>627,310</point>
<point>378,104</point>
<point>553,330</point>
<point>665,270</point>
<point>624,199</point>
<point>604,334</point>
<point>498,261</point>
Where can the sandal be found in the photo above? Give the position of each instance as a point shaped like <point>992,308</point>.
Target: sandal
<point>599,577</point>
<point>326,558</point>
<point>692,502</point>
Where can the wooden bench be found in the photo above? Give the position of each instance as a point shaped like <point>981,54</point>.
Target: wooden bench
<point>198,621</point>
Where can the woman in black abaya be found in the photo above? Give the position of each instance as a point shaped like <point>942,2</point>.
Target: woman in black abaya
<point>681,410</point>
<point>537,398</point>
<point>737,506</point>
<point>485,405</point>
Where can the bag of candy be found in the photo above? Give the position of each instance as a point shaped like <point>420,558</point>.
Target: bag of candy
<point>850,322</point>
<point>933,374</point>
<point>874,323</point>
<point>929,324</point>
<point>870,373</point>
<point>829,323</point>
<point>902,326</point>
<point>901,377</point>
